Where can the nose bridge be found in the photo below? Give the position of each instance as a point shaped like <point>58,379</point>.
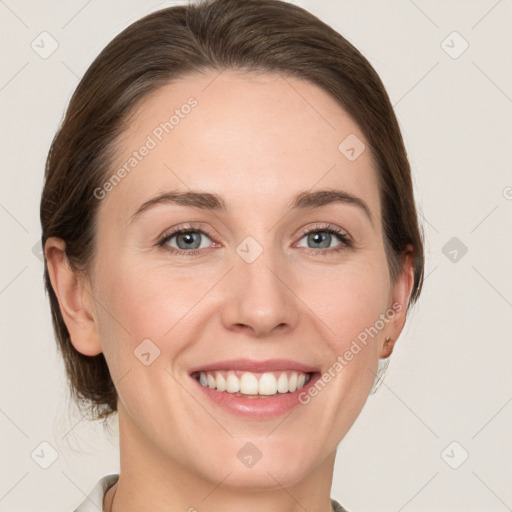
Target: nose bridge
<point>258,295</point>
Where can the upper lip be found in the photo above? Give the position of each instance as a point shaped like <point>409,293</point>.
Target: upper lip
<point>251,365</point>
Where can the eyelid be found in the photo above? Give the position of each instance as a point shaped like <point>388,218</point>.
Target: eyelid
<point>183,228</point>
<point>325,226</point>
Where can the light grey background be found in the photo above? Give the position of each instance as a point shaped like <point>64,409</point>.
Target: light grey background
<point>450,377</point>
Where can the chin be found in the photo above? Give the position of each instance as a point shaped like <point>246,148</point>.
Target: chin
<point>262,464</point>
<point>262,478</point>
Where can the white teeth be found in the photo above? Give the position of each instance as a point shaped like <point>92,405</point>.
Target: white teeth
<point>212,383</point>
<point>282,383</point>
<point>221,382</point>
<point>232,383</point>
<point>268,384</point>
<point>292,382</point>
<point>248,383</point>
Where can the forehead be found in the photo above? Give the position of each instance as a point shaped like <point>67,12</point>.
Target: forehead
<point>255,139</point>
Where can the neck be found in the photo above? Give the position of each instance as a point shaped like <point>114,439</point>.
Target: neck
<point>150,480</point>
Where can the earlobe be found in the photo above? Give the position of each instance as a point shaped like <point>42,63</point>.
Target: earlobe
<point>71,291</point>
<point>401,294</point>
<point>387,348</point>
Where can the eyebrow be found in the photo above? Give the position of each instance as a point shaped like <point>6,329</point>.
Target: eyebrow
<point>208,201</point>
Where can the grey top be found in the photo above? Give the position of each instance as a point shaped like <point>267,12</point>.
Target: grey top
<point>94,500</point>
<point>336,507</point>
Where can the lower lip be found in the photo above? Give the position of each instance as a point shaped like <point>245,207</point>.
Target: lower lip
<point>257,408</point>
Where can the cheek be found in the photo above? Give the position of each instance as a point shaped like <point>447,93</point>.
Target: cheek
<point>348,299</point>
<point>350,302</point>
<point>142,325</point>
<point>157,302</point>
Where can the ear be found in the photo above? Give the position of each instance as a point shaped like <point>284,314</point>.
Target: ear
<point>75,300</point>
<point>400,295</point>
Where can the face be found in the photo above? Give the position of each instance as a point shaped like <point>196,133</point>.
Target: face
<point>269,268</point>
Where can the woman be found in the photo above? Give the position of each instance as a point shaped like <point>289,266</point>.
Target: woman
<point>231,248</point>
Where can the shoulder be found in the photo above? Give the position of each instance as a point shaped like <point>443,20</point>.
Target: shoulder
<point>94,500</point>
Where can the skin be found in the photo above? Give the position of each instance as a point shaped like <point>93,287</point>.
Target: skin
<point>256,140</point>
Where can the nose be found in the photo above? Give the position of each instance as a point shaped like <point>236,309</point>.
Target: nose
<point>259,297</point>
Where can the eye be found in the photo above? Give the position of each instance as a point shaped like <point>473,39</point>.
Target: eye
<point>321,238</point>
<point>190,241</point>
<point>187,241</point>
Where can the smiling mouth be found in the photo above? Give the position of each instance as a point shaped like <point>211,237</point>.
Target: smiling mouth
<point>251,384</point>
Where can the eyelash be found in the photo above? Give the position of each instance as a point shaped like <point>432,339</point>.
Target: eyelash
<point>346,241</point>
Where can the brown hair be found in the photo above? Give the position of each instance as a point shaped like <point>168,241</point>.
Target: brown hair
<point>251,35</point>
